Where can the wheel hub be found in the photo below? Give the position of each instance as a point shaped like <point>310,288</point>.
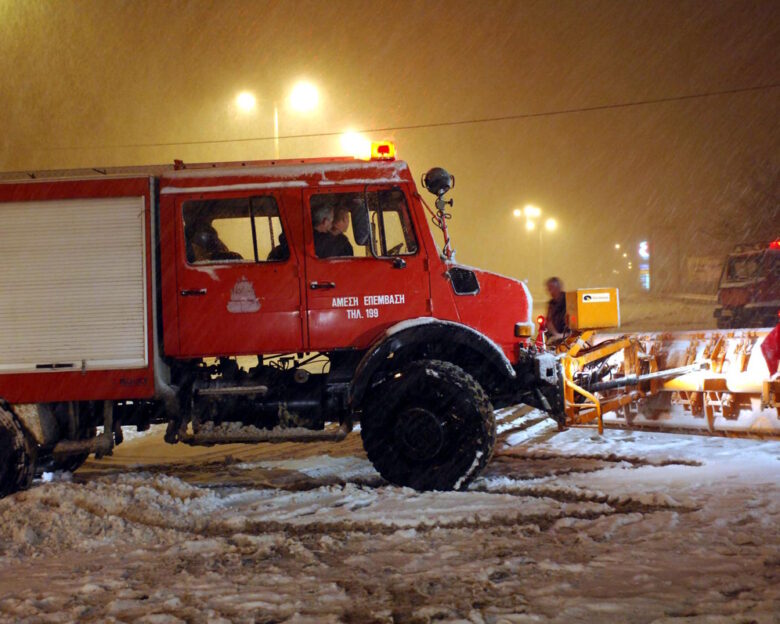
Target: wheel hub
<point>420,434</point>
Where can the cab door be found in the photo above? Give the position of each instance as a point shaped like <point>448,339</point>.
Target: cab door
<point>237,277</point>
<point>352,299</point>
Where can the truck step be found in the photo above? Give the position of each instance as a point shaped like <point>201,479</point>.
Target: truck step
<point>231,433</point>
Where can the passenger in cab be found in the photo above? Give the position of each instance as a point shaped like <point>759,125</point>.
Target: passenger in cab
<point>281,251</point>
<point>340,245</point>
<point>204,244</point>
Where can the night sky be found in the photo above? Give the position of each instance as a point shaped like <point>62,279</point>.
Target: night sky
<point>81,81</point>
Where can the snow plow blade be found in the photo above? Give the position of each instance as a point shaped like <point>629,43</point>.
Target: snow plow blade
<point>715,382</point>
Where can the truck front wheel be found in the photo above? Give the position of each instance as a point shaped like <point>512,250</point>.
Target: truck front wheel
<point>429,426</point>
<point>17,455</point>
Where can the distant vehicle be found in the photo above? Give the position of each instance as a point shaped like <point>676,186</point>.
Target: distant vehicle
<point>749,288</point>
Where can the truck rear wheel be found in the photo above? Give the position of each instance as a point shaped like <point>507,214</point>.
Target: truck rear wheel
<point>429,426</point>
<point>17,455</point>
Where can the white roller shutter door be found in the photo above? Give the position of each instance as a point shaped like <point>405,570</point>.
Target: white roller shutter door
<point>73,285</point>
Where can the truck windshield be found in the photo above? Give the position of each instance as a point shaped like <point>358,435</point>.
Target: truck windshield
<point>391,227</point>
<point>744,267</point>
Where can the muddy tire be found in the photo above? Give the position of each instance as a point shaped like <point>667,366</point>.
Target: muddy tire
<point>17,455</point>
<point>429,426</point>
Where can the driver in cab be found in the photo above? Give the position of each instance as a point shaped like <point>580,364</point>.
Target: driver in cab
<point>322,222</point>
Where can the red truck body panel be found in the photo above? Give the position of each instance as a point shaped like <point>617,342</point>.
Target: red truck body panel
<point>54,385</point>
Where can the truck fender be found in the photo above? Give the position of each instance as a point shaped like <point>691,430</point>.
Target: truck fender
<point>460,344</point>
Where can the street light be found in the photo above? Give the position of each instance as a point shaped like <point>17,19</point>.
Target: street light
<point>532,212</point>
<point>246,101</point>
<point>304,98</point>
<point>617,245</point>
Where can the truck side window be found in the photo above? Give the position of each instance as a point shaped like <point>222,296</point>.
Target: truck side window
<point>372,223</point>
<point>392,233</point>
<point>233,231</point>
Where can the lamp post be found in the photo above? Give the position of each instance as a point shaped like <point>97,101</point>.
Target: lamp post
<point>303,98</point>
<point>550,225</point>
<point>531,213</point>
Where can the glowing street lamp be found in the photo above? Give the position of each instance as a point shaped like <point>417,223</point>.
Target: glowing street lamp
<point>304,97</point>
<point>246,101</point>
<point>551,224</point>
<point>532,212</point>
<point>530,225</point>
<point>517,213</point>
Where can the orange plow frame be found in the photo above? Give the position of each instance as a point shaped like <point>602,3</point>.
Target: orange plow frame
<point>715,382</point>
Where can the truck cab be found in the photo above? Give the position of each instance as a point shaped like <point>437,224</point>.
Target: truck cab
<point>266,287</point>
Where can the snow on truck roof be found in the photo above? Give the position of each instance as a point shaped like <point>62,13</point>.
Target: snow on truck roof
<point>315,171</point>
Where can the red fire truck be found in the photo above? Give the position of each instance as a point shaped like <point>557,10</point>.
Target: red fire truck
<point>213,297</point>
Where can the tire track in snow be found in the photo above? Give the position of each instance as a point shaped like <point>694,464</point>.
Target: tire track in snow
<point>609,457</point>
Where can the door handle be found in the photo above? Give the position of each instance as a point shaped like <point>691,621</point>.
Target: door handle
<point>318,285</point>
<point>197,292</point>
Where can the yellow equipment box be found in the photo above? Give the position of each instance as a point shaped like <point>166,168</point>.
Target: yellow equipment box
<point>593,308</point>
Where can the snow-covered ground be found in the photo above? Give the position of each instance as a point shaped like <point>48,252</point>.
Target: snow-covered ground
<point>562,527</point>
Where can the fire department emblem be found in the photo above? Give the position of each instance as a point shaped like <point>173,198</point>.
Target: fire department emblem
<point>243,298</point>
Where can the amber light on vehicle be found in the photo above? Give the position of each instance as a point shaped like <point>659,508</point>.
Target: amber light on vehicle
<point>382,150</point>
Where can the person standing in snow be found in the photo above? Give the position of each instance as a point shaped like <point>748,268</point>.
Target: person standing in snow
<point>555,319</point>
